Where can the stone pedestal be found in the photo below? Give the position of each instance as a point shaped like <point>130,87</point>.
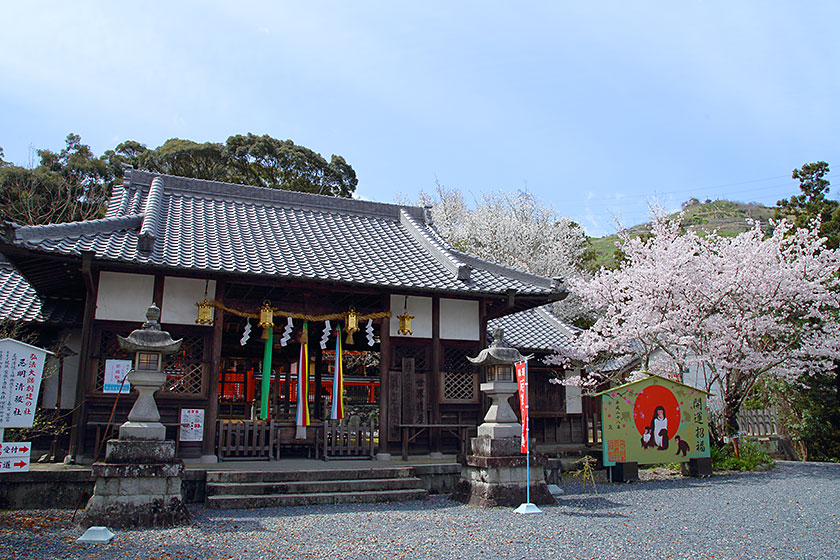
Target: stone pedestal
<point>138,485</point>
<point>495,475</point>
<point>625,472</point>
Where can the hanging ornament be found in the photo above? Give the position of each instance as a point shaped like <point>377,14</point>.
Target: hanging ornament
<point>369,332</point>
<point>352,325</point>
<point>325,336</point>
<point>246,334</point>
<point>405,320</point>
<point>287,332</point>
<point>266,315</point>
<point>205,309</point>
<point>266,318</point>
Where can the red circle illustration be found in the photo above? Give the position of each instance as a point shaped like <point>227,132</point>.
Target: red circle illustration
<point>646,403</point>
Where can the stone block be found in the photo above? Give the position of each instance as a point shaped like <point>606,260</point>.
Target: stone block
<point>139,451</point>
<point>700,466</point>
<point>132,470</point>
<point>625,472</point>
<point>107,486</point>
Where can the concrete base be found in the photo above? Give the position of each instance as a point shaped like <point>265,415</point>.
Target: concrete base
<point>701,466</point>
<point>625,472</point>
<point>383,456</point>
<point>209,459</point>
<point>143,431</point>
<point>138,485</point>
<point>495,475</point>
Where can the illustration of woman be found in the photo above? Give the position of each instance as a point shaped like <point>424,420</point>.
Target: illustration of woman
<point>659,428</point>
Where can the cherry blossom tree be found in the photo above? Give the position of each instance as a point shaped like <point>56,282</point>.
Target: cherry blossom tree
<point>515,230</point>
<point>728,310</point>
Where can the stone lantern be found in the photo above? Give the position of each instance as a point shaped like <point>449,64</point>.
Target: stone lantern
<point>139,483</point>
<point>495,472</point>
<point>149,344</point>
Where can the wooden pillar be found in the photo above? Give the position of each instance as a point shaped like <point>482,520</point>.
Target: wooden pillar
<point>83,379</point>
<point>384,378</point>
<point>208,446</point>
<point>434,372</point>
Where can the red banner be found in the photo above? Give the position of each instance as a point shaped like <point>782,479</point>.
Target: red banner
<point>522,384</point>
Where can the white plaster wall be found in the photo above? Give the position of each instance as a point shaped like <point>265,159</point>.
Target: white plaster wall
<point>124,297</point>
<point>420,307</point>
<point>69,377</point>
<point>459,319</point>
<point>179,298</point>
<point>574,403</point>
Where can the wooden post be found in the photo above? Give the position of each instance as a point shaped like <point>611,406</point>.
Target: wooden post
<point>208,446</point>
<point>434,373</point>
<point>384,380</point>
<point>83,378</point>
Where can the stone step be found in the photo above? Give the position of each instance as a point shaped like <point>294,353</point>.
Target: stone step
<point>225,477</point>
<point>284,500</point>
<point>311,486</point>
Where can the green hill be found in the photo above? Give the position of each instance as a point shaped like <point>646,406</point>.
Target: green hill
<point>724,216</point>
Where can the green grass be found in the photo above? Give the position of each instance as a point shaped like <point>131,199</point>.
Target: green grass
<point>724,459</point>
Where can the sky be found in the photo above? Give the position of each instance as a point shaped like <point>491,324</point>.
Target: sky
<point>597,108</point>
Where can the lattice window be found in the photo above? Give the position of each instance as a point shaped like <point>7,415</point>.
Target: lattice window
<point>459,376</point>
<point>184,369</point>
<point>401,351</point>
<point>109,349</point>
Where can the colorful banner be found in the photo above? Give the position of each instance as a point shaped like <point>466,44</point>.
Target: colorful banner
<point>303,385</point>
<point>337,409</point>
<point>654,420</point>
<point>522,384</point>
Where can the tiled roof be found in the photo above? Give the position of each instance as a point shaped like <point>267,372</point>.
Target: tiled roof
<point>194,225</point>
<point>20,302</point>
<point>537,330</point>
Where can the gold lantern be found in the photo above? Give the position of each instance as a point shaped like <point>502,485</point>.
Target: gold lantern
<point>405,323</point>
<point>352,325</point>
<point>205,312</point>
<point>266,318</point>
<point>205,308</point>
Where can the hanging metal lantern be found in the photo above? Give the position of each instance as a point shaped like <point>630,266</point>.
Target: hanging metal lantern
<point>266,315</point>
<point>405,323</point>
<point>352,325</point>
<point>205,308</point>
<point>205,313</point>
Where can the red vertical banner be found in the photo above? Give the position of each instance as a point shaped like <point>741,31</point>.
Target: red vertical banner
<point>522,384</point>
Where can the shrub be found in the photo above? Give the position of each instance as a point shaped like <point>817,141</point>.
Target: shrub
<point>724,459</point>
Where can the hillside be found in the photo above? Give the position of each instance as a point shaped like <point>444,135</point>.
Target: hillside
<point>724,216</point>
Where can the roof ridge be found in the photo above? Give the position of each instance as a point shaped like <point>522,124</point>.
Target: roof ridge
<point>151,218</point>
<point>78,229</point>
<point>461,270</point>
<point>513,273</point>
<point>570,330</point>
<point>252,193</point>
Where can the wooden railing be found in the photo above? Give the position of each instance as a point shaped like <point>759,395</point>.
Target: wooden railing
<point>348,440</point>
<point>245,439</point>
<point>758,423</point>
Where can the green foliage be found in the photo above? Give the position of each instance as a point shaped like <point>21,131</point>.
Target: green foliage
<point>809,414</point>
<point>812,203</point>
<point>66,186</point>
<point>724,459</point>
<point>74,184</point>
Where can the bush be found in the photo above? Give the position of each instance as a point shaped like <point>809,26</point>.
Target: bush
<point>724,459</point>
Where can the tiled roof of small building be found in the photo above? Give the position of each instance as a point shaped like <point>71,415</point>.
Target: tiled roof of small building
<point>185,224</point>
<point>533,330</point>
<point>20,302</point>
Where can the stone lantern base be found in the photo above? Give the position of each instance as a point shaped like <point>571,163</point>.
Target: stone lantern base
<point>138,485</point>
<point>495,475</point>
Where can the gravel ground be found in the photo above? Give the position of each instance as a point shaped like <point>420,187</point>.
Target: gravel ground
<point>789,512</point>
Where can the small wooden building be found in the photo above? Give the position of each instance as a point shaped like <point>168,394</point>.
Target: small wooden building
<point>177,242</point>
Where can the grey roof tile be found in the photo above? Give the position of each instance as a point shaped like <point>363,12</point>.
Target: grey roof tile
<point>20,302</point>
<point>537,329</point>
<point>207,226</point>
